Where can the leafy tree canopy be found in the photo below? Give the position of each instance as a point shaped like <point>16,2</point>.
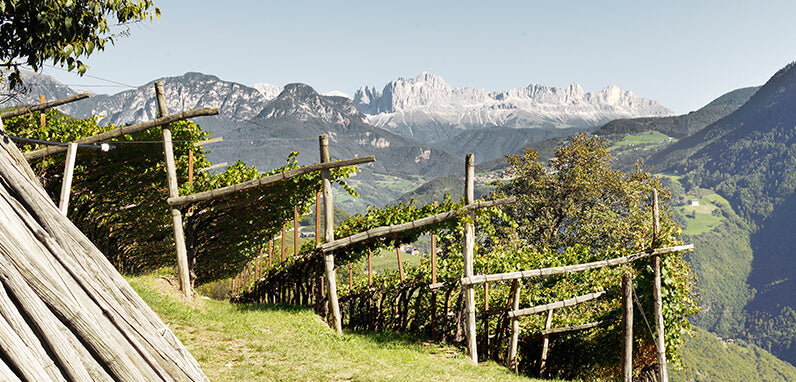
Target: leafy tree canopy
<point>63,31</point>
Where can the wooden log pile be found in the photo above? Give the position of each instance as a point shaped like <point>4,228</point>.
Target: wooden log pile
<point>65,312</point>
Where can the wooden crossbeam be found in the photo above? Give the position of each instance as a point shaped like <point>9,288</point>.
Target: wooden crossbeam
<point>573,268</point>
<point>264,181</point>
<point>377,232</point>
<point>42,106</point>
<point>124,130</point>
<point>575,328</point>
<point>560,304</point>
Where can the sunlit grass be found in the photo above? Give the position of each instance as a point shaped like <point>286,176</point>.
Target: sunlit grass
<point>288,343</point>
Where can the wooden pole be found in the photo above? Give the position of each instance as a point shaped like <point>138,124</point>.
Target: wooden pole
<point>350,277</point>
<point>295,232</point>
<point>370,267</point>
<point>469,243</point>
<point>29,109</point>
<point>328,216</point>
<point>190,166</point>
<point>176,214</point>
<point>545,342</point>
<point>627,327</point>
<point>515,328</point>
<point>282,248</point>
<point>433,281</point>
<point>124,130</point>
<point>317,218</point>
<point>43,116</point>
<point>660,344</point>
<point>400,263</point>
<point>486,320</point>
<point>66,183</point>
<point>270,253</point>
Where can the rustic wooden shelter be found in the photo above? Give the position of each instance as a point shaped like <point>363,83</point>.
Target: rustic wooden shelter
<point>65,312</point>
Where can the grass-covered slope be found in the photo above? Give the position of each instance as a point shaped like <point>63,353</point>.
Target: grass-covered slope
<point>289,343</point>
<point>710,358</point>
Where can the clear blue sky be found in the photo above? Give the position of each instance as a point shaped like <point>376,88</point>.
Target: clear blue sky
<point>682,54</point>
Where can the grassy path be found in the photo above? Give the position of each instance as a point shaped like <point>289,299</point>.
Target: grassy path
<point>288,343</point>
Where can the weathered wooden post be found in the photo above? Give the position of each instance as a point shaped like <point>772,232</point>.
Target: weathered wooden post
<point>176,213</point>
<point>43,115</point>
<point>515,327</point>
<point>270,253</point>
<point>328,216</point>
<point>295,232</point>
<point>66,183</point>
<point>486,320</point>
<point>627,327</point>
<point>282,242</point>
<point>469,244</point>
<point>433,282</point>
<point>545,342</point>
<point>660,344</point>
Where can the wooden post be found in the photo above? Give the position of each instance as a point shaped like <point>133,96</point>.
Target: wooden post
<point>43,116</point>
<point>190,166</point>
<point>469,243</point>
<point>433,258</point>
<point>370,267</point>
<point>627,327</point>
<point>317,218</point>
<point>295,232</point>
<point>660,344</point>
<point>434,281</point>
<point>270,253</point>
<point>66,183</point>
<point>486,320</point>
<point>176,214</point>
<point>400,263</point>
<point>350,277</point>
<point>515,328</point>
<point>328,216</point>
<point>282,248</point>
<point>545,342</point>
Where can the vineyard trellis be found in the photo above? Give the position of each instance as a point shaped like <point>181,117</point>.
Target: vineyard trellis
<point>413,305</point>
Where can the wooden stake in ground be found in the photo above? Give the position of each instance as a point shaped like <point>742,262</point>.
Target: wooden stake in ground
<point>434,281</point>
<point>486,320</point>
<point>469,243</point>
<point>545,342</point>
<point>66,184</point>
<point>660,344</point>
<point>515,327</point>
<point>317,218</point>
<point>328,216</point>
<point>295,232</point>
<point>43,116</point>
<point>627,327</point>
<point>176,214</point>
<point>282,249</point>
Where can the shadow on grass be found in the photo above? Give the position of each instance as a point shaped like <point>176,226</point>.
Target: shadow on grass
<point>281,307</point>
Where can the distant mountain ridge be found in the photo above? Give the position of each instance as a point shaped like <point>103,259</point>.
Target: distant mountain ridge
<point>428,109</point>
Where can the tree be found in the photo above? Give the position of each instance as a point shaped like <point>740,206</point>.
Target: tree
<point>33,32</point>
<point>574,210</point>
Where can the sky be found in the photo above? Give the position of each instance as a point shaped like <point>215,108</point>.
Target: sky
<point>682,54</point>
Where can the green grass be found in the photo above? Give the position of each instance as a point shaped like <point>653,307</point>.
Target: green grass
<point>707,358</point>
<point>701,218</point>
<point>645,139</point>
<point>287,343</point>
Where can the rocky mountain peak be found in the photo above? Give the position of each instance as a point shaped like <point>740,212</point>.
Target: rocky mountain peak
<point>301,102</point>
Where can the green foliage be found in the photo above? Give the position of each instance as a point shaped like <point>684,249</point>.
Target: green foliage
<point>708,358</point>
<point>577,210</point>
<point>119,198</point>
<point>64,31</point>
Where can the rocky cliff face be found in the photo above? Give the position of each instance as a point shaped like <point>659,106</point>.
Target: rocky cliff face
<point>428,109</point>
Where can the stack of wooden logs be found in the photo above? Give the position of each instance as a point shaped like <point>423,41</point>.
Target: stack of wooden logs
<point>65,312</point>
